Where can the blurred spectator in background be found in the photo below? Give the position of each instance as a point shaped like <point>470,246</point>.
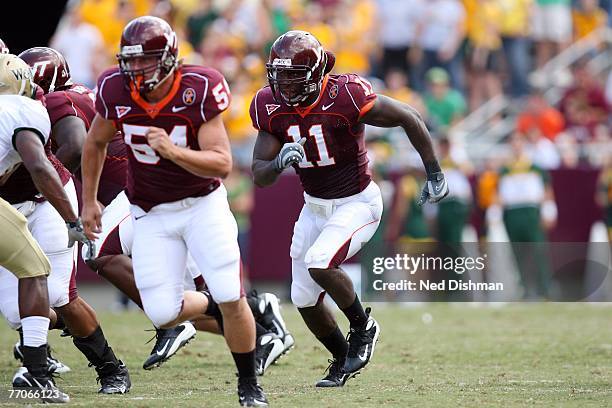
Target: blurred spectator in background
<point>538,116</point>
<point>440,33</point>
<point>587,17</point>
<point>82,45</point>
<point>199,22</point>
<point>484,50</point>
<point>397,21</point>
<point>551,28</point>
<point>529,209</point>
<point>514,31</point>
<point>396,86</point>
<point>110,16</point>
<point>356,36</point>
<point>584,106</point>
<point>445,106</point>
<point>604,193</point>
<point>454,212</point>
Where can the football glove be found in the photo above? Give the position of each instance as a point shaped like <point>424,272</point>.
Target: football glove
<point>75,232</point>
<point>290,153</point>
<point>435,189</point>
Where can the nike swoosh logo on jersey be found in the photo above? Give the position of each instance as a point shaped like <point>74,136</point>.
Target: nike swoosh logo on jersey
<point>163,350</point>
<point>178,108</point>
<point>137,218</point>
<point>326,107</point>
<point>365,354</point>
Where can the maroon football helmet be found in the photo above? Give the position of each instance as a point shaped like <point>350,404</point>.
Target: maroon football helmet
<point>296,66</point>
<point>143,38</point>
<point>3,48</point>
<point>50,69</point>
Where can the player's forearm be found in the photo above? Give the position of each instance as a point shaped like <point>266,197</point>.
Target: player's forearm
<point>264,172</point>
<point>92,162</point>
<point>47,181</point>
<point>203,163</point>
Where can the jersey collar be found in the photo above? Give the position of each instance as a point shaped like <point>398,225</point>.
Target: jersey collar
<point>305,111</point>
<point>153,109</point>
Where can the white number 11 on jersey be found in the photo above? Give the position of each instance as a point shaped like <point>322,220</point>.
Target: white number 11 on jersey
<point>315,131</point>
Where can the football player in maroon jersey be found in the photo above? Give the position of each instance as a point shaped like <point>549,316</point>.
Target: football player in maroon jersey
<point>314,121</point>
<point>70,108</point>
<point>178,153</point>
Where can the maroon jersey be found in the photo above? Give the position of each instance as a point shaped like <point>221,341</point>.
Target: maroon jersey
<point>336,163</point>
<point>78,100</point>
<point>198,94</point>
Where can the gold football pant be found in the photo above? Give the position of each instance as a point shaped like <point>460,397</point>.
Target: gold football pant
<point>19,251</point>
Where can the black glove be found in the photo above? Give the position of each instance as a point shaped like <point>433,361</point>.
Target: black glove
<point>435,189</point>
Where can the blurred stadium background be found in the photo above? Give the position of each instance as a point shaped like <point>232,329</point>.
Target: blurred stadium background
<point>516,93</point>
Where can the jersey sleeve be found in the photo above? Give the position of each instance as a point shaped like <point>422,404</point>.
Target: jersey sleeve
<point>361,97</point>
<point>104,93</point>
<point>218,96</point>
<point>33,116</point>
<point>59,106</point>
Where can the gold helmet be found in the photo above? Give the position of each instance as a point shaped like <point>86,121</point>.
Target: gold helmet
<point>15,77</point>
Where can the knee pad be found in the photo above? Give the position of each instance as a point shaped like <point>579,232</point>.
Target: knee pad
<point>161,313</point>
<point>301,297</point>
<point>318,257</point>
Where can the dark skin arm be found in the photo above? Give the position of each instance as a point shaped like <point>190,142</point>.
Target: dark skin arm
<point>388,112</point>
<point>69,133</point>
<point>266,149</point>
<point>45,177</point>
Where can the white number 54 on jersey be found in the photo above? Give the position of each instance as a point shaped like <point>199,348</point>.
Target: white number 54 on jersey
<point>142,151</point>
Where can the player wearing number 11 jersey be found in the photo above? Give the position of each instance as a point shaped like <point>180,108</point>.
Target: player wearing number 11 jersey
<point>314,121</point>
<point>178,151</point>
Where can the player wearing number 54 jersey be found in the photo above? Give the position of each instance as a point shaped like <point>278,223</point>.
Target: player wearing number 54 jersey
<point>178,152</point>
<point>314,121</point>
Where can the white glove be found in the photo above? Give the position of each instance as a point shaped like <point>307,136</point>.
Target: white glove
<point>290,153</point>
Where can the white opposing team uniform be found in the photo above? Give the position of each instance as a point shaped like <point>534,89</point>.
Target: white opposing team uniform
<point>44,222</point>
<point>327,232</point>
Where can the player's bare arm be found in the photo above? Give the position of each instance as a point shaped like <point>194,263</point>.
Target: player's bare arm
<point>388,112</point>
<point>69,133</point>
<point>94,152</point>
<point>264,169</point>
<point>32,152</point>
<point>213,160</point>
<point>270,158</point>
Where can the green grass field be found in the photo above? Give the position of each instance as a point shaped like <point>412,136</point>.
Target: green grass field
<point>433,355</point>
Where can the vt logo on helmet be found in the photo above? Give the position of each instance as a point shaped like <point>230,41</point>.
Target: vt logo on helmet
<point>296,67</point>
<point>148,52</point>
<point>50,69</point>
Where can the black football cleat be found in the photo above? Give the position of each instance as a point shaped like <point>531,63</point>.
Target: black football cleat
<point>250,393</point>
<point>55,366</point>
<point>362,342</point>
<point>269,316</point>
<point>42,387</point>
<point>268,348</point>
<point>335,376</point>
<point>113,380</point>
<point>168,342</point>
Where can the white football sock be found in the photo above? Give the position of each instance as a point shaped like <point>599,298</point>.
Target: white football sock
<point>35,329</point>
